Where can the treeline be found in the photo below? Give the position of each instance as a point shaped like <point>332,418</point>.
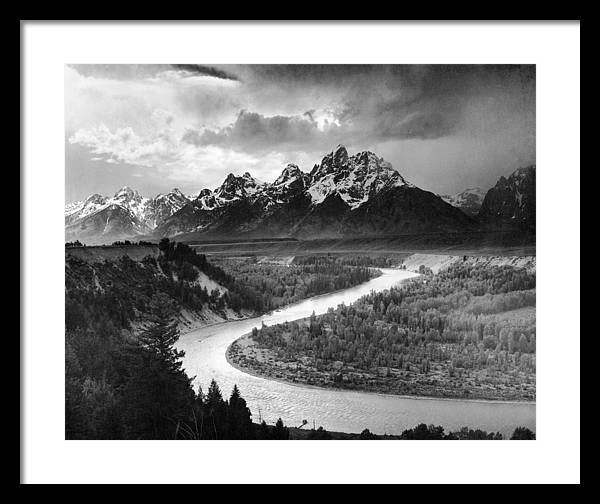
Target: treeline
<point>433,432</point>
<point>270,286</point>
<point>128,243</point>
<point>448,323</point>
<point>74,244</point>
<point>119,243</point>
<point>419,432</point>
<point>375,261</point>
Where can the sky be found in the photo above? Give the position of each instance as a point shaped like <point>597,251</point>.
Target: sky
<point>156,127</point>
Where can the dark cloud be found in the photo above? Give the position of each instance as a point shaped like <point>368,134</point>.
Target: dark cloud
<point>378,103</point>
<point>253,131</point>
<point>443,126</point>
<point>207,70</point>
<point>130,72</point>
<point>398,102</point>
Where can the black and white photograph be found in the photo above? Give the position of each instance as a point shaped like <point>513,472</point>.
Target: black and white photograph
<point>302,252</point>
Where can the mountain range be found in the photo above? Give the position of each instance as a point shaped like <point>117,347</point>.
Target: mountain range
<point>127,214</point>
<point>342,196</point>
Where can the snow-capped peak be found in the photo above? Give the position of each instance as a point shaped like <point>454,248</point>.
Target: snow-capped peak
<point>290,173</point>
<point>173,194</point>
<point>95,198</point>
<point>176,192</point>
<point>354,178</point>
<point>145,212</point>
<point>126,192</point>
<point>469,200</point>
<point>79,209</point>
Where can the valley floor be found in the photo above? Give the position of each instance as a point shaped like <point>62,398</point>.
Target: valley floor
<point>442,379</point>
<point>505,243</point>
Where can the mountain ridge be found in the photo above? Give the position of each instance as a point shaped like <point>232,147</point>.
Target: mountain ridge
<point>343,195</point>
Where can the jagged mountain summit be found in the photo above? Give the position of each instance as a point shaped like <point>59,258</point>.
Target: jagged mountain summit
<point>469,200</point>
<point>342,196</point>
<point>232,189</point>
<point>101,219</point>
<point>355,179</point>
<point>511,202</point>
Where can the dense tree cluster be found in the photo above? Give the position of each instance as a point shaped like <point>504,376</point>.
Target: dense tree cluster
<point>118,243</point>
<point>374,261</point>
<point>74,244</point>
<point>125,291</point>
<point>419,432</point>
<point>270,286</point>
<point>523,433</point>
<point>434,432</point>
<point>129,243</point>
<point>455,322</point>
<point>120,388</point>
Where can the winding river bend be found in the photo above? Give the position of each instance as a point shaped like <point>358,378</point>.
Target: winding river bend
<point>345,411</point>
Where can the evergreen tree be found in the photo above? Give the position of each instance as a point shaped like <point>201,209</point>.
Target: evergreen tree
<point>263,431</point>
<point>239,418</point>
<point>160,339</point>
<point>319,434</point>
<point>522,433</point>
<point>280,431</point>
<point>156,396</point>
<point>216,412</point>
<point>366,434</point>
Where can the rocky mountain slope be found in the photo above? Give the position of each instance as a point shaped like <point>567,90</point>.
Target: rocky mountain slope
<point>344,195</point>
<point>511,202</point>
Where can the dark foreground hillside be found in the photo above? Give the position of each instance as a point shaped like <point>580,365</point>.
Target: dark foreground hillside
<point>123,377</point>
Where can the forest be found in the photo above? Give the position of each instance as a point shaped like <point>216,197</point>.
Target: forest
<point>274,285</point>
<point>136,389</point>
<point>123,377</point>
<point>468,331</point>
<point>374,261</point>
<point>125,384</point>
<point>128,290</point>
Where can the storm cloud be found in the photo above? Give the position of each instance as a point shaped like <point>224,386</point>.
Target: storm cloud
<point>442,126</point>
<point>378,103</point>
<point>255,131</point>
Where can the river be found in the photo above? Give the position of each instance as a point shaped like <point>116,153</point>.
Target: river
<point>335,410</point>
